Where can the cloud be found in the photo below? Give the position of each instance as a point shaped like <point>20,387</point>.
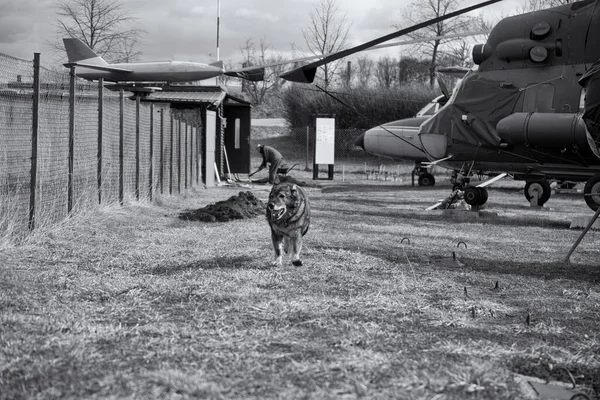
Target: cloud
<point>255,15</point>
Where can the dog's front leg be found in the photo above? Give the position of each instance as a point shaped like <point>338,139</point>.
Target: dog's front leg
<point>278,247</point>
<point>296,248</point>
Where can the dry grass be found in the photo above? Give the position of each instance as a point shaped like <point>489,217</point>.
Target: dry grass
<point>134,303</point>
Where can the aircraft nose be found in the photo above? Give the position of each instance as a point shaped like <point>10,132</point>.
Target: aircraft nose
<point>360,141</point>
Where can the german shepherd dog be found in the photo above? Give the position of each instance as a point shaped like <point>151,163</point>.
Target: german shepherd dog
<point>288,213</point>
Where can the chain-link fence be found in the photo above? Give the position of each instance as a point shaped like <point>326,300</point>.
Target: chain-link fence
<point>58,156</point>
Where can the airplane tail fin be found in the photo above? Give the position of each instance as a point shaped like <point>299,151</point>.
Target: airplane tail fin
<point>77,51</point>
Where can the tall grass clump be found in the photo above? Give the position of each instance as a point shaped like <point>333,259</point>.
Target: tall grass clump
<point>359,108</point>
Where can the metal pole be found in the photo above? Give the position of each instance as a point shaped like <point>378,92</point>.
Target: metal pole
<point>71,139</point>
<point>34,137</point>
<point>121,144</point>
<point>100,115</point>
<point>307,146</point>
<point>198,133</point>
<point>137,147</point>
<point>179,157</point>
<point>171,158</point>
<point>151,171</point>
<point>580,238</point>
<point>218,23</point>
<point>162,143</point>
<point>191,156</point>
<point>185,162</point>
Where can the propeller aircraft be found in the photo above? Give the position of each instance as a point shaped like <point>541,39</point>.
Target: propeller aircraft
<point>531,109</point>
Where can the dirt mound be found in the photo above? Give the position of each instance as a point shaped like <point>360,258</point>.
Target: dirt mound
<point>244,205</point>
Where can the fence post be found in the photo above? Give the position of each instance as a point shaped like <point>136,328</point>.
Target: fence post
<point>191,155</point>
<point>121,144</point>
<point>151,171</point>
<point>185,163</point>
<point>162,143</point>
<point>179,157</point>
<point>100,118</point>
<point>71,139</point>
<point>171,158</point>
<point>307,146</point>
<point>137,147</point>
<point>198,133</point>
<point>34,138</point>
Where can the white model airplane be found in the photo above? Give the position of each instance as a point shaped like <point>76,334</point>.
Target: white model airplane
<point>91,66</point>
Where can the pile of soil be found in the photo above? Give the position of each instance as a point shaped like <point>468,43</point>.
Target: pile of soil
<point>244,205</point>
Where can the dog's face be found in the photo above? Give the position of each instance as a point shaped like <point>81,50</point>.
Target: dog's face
<point>282,199</point>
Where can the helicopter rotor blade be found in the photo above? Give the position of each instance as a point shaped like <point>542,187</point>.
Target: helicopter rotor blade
<point>306,73</point>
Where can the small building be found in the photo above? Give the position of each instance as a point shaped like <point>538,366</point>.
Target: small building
<point>225,122</point>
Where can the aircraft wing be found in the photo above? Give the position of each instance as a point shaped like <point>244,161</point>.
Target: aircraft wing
<point>252,74</point>
<point>98,67</point>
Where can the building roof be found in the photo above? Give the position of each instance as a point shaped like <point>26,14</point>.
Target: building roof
<point>213,95</point>
<point>213,98</point>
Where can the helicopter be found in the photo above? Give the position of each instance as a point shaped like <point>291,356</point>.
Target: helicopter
<point>399,139</point>
<point>531,109</point>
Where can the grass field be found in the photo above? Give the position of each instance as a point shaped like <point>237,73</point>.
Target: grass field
<point>133,303</point>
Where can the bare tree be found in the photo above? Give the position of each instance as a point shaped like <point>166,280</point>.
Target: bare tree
<point>252,55</point>
<point>327,33</point>
<point>104,25</point>
<point>364,71</point>
<point>421,10</point>
<point>533,5</point>
<point>411,69</point>
<point>386,71</point>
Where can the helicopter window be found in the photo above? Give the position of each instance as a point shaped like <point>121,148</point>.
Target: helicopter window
<point>539,98</point>
<point>429,109</point>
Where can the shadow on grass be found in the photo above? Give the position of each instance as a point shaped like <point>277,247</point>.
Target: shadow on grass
<point>227,262</point>
<point>542,270</point>
<point>422,215</point>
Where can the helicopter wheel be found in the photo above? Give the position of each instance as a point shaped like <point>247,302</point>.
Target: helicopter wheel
<point>591,191</point>
<point>541,186</point>
<point>426,179</point>
<point>475,196</point>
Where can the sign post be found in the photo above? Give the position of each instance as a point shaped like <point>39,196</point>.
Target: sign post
<point>324,146</point>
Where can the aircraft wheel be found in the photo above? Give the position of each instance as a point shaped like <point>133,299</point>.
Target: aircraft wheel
<point>542,187</point>
<point>426,179</point>
<point>473,196</point>
<point>591,192</point>
<point>484,195</point>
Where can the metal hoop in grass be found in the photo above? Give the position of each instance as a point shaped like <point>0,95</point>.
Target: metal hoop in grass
<point>403,239</point>
<point>459,243</point>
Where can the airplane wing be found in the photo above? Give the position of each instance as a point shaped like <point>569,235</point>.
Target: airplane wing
<point>306,73</point>
<point>98,67</point>
<point>251,74</point>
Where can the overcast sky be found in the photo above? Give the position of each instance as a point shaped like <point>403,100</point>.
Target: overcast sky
<point>186,30</point>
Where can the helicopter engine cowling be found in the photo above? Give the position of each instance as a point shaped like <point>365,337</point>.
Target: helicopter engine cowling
<point>547,130</point>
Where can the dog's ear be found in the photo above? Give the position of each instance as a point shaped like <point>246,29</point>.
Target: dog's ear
<point>294,192</point>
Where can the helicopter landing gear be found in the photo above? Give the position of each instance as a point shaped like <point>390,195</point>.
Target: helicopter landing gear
<point>591,191</point>
<point>426,179</point>
<point>476,196</point>
<point>540,188</point>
